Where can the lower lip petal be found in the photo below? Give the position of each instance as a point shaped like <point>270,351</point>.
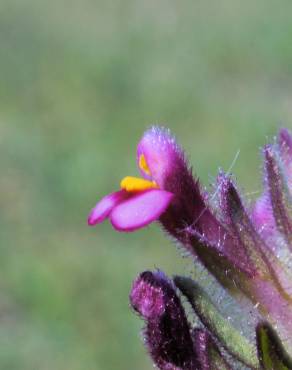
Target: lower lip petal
<point>140,210</point>
<point>104,207</point>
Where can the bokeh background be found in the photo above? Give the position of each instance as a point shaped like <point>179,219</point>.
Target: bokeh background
<point>79,83</point>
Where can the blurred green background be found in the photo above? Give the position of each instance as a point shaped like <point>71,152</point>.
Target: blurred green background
<point>79,83</point>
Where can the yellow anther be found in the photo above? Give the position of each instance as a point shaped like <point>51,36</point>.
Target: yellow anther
<point>132,184</point>
<point>143,164</point>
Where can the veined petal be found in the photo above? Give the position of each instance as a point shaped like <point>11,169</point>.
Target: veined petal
<point>140,209</point>
<point>104,207</point>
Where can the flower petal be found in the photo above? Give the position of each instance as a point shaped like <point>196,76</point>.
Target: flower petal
<point>140,210</point>
<point>159,156</point>
<point>104,207</point>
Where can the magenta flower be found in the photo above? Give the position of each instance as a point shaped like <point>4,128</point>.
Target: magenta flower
<point>246,247</point>
<point>142,200</point>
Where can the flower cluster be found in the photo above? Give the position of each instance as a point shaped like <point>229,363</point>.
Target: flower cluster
<point>247,249</point>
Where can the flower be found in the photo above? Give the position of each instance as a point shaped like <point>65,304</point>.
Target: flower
<point>167,192</point>
<point>142,200</point>
<point>246,246</point>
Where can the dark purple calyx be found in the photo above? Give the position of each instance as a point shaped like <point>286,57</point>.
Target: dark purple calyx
<point>167,331</point>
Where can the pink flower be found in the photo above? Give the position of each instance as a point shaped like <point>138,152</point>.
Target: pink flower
<point>141,200</point>
<point>247,248</point>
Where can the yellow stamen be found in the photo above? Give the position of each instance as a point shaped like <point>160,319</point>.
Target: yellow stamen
<point>143,164</point>
<point>132,184</point>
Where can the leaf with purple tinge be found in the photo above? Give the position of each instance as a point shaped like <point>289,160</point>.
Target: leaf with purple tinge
<point>268,266</point>
<point>212,319</point>
<point>209,355</point>
<point>231,273</point>
<point>242,228</point>
<point>285,149</point>
<point>263,218</point>
<point>279,201</point>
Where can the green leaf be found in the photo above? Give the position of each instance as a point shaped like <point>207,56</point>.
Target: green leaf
<point>228,336</point>
<point>209,355</point>
<point>271,353</point>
